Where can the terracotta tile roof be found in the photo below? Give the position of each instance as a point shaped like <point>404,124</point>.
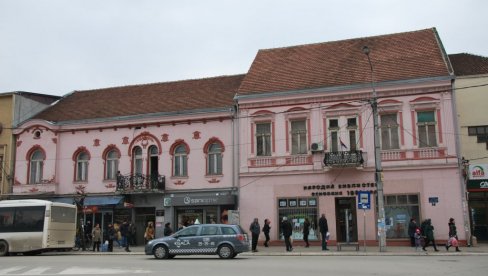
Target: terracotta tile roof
<point>207,93</point>
<point>401,56</point>
<point>468,64</point>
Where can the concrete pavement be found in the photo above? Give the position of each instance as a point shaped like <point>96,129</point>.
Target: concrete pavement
<point>279,250</point>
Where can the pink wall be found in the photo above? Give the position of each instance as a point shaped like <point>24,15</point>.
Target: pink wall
<point>409,170</point>
<point>62,146</point>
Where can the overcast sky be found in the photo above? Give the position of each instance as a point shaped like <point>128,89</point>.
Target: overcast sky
<point>57,46</point>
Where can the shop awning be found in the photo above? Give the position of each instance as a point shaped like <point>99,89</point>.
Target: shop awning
<point>102,200</point>
<point>91,200</point>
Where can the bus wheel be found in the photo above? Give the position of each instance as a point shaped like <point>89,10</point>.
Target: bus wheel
<point>3,248</point>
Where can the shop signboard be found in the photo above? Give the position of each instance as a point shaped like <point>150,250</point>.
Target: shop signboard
<point>478,171</point>
<point>478,184</point>
<point>478,177</point>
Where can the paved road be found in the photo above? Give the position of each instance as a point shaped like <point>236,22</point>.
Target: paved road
<point>134,265</point>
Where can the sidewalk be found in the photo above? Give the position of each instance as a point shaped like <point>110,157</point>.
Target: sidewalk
<point>480,249</point>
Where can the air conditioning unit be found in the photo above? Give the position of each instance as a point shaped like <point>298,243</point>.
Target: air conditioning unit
<point>316,147</point>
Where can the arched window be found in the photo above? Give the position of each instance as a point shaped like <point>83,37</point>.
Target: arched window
<point>36,167</point>
<point>180,161</point>
<point>214,162</point>
<point>82,166</point>
<point>137,160</point>
<point>111,164</point>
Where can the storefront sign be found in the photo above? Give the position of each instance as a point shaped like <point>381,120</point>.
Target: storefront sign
<point>195,200</point>
<point>478,171</point>
<point>478,184</point>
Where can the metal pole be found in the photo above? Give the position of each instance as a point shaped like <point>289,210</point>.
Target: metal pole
<point>364,229</point>
<point>377,157</point>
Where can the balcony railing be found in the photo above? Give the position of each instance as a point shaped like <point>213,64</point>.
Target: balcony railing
<point>344,159</point>
<point>270,161</point>
<point>140,183</point>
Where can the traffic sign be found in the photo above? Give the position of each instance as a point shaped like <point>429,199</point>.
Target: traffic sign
<point>364,200</point>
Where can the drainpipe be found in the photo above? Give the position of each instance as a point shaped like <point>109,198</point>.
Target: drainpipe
<point>461,168</point>
<point>236,152</point>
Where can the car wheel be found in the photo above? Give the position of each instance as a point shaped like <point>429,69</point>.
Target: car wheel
<point>225,251</point>
<point>160,252</point>
<point>3,248</point>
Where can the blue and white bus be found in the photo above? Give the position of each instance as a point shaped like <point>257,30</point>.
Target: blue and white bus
<point>32,226</point>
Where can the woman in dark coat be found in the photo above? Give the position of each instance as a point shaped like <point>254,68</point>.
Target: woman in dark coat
<point>266,229</point>
<point>428,232</point>
<point>452,233</point>
<point>306,231</point>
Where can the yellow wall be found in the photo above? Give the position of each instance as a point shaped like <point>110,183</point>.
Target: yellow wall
<point>6,113</point>
<point>472,109</point>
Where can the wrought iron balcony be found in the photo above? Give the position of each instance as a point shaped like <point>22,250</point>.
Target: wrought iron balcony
<point>140,183</point>
<point>344,159</point>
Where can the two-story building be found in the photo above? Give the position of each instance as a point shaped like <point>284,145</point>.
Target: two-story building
<point>307,136</point>
<point>159,152</point>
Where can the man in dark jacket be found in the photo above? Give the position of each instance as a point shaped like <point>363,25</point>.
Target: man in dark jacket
<point>324,229</point>
<point>124,232</point>
<point>287,230</point>
<point>255,229</point>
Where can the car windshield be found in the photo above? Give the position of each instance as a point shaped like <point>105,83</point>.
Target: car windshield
<point>188,232</point>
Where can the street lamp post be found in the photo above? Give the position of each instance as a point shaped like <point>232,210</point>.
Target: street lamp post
<point>377,158</point>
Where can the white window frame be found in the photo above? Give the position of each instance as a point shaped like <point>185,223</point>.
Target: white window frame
<point>264,139</point>
<point>82,167</point>
<point>298,140</point>
<point>427,128</point>
<point>36,167</point>
<point>214,159</point>
<point>392,132</point>
<point>180,161</point>
<point>111,165</point>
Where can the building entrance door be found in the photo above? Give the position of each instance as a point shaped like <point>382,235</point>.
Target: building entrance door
<point>346,219</point>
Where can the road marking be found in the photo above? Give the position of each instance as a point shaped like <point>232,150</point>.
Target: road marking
<point>11,269</point>
<point>74,270</point>
<point>36,271</point>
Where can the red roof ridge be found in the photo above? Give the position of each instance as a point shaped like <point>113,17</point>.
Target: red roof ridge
<point>158,83</point>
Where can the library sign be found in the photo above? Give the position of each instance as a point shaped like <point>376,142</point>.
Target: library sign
<point>340,189</point>
<point>478,177</point>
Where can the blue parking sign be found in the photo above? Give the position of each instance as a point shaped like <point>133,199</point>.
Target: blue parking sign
<point>364,200</point>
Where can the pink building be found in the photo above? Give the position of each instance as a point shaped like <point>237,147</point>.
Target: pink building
<point>306,137</point>
<point>173,144</point>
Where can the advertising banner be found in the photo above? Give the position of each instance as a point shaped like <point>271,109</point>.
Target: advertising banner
<point>478,171</point>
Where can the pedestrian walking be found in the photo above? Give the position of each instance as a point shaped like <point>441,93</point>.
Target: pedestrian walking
<point>287,231</point>
<point>255,229</point>
<point>306,231</point>
<point>453,238</point>
<point>266,229</point>
<point>428,233</point>
<point>111,236</point>
<point>96,237</point>
<point>324,230</point>
<point>132,234</point>
<point>412,227</point>
<point>124,231</point>
<point>149,233</point>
